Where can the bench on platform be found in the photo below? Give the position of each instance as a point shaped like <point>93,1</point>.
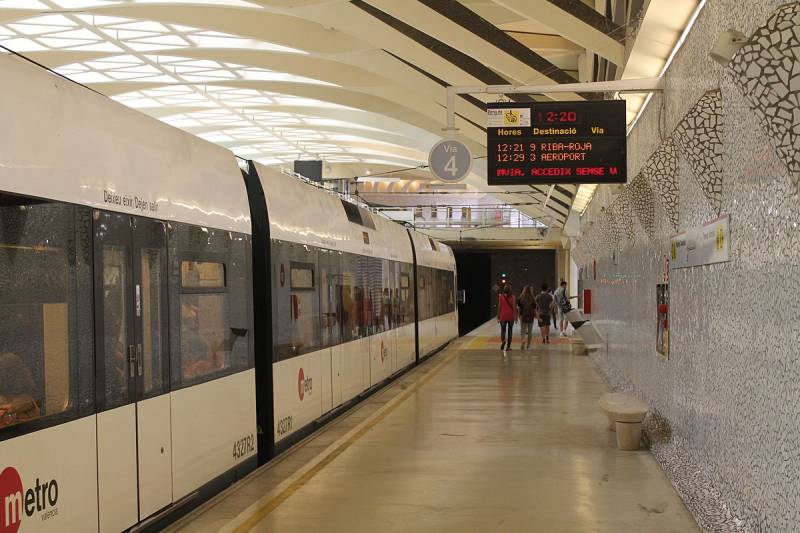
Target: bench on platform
<point>625,414</point>
<point>585,329</point>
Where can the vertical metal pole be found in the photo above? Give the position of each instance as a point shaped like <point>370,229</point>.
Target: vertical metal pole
<point>451,112</point>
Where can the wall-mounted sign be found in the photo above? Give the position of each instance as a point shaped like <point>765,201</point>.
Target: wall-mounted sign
<point>662,316</point>
<point>450,160</point>
<point>556,142</point>
<point>708,244</point>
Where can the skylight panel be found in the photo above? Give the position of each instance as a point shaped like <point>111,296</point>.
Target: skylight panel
<point>101,20</point>
<point>210,75</point>
<point>300,101</point>
<point>77,4</point>
<point>269,160</point>
<point>22,4</point>
<point>21,44</point>
<point>205,40</point>
<point>57,42</point>
<point>184,122</point>
<point>184,63</point>
<point>35,30</point>
<point>100,46</point>
<point>154,42</point>
<point>267,75</point>
<point>137,102</point>
<point>227,3</point>
<point>79,33</point>
<point>115,60</point>
<point>121,34</point>
<point>145,26</point>
<point>52,21</point>
<point>89,77</point>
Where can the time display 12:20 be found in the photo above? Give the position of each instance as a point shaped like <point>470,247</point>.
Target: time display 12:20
<point>556,117</point>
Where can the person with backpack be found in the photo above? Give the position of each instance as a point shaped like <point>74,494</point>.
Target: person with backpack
<point>527,312</point>
<point>562,306</point>
<point>544,306</point>
<point>506,315</point>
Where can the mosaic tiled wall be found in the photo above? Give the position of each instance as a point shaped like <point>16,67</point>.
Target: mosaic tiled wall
<point>767,71</point>
<point>698,140</point>
<point>726,401</point>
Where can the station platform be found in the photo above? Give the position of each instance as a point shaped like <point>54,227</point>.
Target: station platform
<point>469,440</point>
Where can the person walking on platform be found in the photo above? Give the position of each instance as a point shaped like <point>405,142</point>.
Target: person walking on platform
<point>562,306</point>
<point>527,312</point>
<point>506,316</point>
<point>544,305</point>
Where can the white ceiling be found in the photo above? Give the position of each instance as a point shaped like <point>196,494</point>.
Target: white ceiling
<point>279,80</point>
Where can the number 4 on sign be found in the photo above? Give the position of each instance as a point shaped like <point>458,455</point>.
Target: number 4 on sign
<point>451,166</point>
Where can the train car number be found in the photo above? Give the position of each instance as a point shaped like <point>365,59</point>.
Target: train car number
<point>244,446</point>
<point>284,425</point>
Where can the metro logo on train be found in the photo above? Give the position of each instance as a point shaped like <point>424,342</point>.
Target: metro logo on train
<point>304,385</point>
<point>17,503</point>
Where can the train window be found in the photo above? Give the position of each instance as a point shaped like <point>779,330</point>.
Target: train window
<point>425,292</point>
<point>302,276</point>
<point>329,297</point>
<point>210,304</point>
<point>296,303</point>
<point>115,275</point>
<point>405,294</point>
<point>46,352</point>
<point>388,302</point>
<point>365,312</point>
<point>153,320</point>
<point>202,274</point>
<point>350,293</point>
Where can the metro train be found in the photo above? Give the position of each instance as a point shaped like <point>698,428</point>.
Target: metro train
<point>172,317</point>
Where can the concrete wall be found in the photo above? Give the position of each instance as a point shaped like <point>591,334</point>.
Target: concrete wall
<point>728,397</point>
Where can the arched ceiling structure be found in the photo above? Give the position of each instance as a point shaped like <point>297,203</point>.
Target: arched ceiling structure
<point>359,84</point>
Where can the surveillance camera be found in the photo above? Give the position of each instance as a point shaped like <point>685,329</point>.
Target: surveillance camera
<point>727,44</point>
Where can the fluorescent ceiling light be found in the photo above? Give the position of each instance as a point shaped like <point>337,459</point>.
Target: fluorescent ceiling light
<point>671,57</point>
<point>583,197</point>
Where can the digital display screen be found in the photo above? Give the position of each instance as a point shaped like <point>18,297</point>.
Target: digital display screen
<point>556,142</point>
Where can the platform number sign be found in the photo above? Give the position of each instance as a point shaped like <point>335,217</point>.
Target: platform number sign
<point>450,160</point>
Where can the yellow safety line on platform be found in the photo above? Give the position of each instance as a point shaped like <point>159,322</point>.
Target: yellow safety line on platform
<point>348,440</point>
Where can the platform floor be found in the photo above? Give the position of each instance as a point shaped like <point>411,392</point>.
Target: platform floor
<point>468,441</point>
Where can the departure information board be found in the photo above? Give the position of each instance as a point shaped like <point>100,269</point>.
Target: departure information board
<point>556,142</point>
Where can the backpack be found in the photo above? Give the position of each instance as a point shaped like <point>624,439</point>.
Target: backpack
<point>527,309</point>
<point>564,303</point>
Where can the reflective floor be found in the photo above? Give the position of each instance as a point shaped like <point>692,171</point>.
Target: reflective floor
<point>469,441</point>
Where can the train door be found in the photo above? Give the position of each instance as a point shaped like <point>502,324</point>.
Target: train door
<point>133,431</point>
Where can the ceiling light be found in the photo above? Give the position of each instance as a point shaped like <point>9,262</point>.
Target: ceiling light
<point>583,197</point>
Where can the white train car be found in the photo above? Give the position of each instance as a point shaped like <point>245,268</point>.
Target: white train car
<point>343,304</point>
<point>437,314</point>
<point>166,324</point>
<point>127,385</point>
